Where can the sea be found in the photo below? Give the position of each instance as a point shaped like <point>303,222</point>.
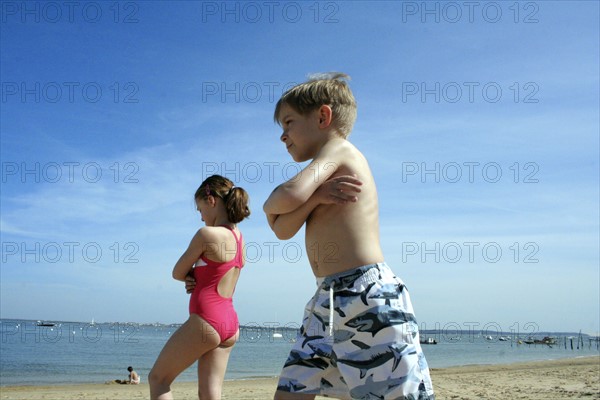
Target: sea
<point>84,352</point>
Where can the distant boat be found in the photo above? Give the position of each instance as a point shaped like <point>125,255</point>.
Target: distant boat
<point>546,340</point>
<point>489,338</point>
<point>503,339</point>
<point>40,323</point>
<point>428,341</point>
<point>277,335</point>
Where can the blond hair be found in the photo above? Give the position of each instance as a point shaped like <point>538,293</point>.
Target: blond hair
<point>329,89</point>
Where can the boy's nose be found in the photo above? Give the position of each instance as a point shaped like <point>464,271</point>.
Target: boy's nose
<point>283,137</point>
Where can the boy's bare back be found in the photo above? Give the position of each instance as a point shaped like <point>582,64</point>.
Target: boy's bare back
<point>343,237</point>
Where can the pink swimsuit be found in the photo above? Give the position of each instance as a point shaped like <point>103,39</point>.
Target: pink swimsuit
<point>207,302</point>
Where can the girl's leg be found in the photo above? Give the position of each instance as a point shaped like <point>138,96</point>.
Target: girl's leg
<point>193,339</point>
<point>211,370</point>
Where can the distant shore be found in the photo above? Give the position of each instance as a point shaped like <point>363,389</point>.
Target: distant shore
<point>542,380</point>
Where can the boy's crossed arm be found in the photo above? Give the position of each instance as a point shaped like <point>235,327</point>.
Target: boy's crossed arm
<point>287,225</point>
<point>290,195</point>
<point>291,203</point>
<point>336,190</point>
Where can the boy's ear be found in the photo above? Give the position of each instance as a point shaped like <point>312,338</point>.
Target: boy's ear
<point>325,116</point>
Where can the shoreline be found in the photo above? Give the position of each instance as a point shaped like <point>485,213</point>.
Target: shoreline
<point>266,377</point>
<point>533,380</point>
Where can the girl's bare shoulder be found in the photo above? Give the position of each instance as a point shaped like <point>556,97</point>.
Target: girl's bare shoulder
<point>213,233</point>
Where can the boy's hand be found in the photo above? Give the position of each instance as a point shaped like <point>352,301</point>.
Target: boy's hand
<point>339,190</point>
<point>190,284</point>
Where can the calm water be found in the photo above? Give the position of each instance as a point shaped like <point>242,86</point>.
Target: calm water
<point>85,353</point>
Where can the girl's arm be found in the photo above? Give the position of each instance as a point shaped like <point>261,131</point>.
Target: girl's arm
<point>187,260</point>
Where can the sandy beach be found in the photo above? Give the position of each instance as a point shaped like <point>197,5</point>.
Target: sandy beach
<point>558,379</point>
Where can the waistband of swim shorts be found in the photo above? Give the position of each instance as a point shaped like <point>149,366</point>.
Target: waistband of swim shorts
<point>364,275</point>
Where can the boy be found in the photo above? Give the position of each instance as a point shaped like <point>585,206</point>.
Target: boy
<point>359,338</point>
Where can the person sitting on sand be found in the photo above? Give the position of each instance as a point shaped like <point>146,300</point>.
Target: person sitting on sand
<point>133,379</point>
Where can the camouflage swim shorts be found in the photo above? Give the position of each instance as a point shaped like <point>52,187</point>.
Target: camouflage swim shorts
<point>359,340</point>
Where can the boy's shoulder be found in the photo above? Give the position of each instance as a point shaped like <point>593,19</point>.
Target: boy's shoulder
<point>341,157</point>
<point>337,145</point>
<point>340,150</point>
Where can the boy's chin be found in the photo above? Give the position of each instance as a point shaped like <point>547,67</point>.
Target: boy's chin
<point>299,159</point>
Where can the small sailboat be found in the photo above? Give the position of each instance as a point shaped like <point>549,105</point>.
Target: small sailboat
<point>428,340</point>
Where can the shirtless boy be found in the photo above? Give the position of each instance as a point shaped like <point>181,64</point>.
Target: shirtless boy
<point>359,337</point>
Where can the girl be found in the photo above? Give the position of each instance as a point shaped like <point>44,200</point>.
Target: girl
<point>214,258</point>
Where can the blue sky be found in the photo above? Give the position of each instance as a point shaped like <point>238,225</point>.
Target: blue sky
<point>481,126</point>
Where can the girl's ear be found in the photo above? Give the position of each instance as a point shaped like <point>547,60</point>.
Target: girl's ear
<point>211,200</point>
<point>325,116</point>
